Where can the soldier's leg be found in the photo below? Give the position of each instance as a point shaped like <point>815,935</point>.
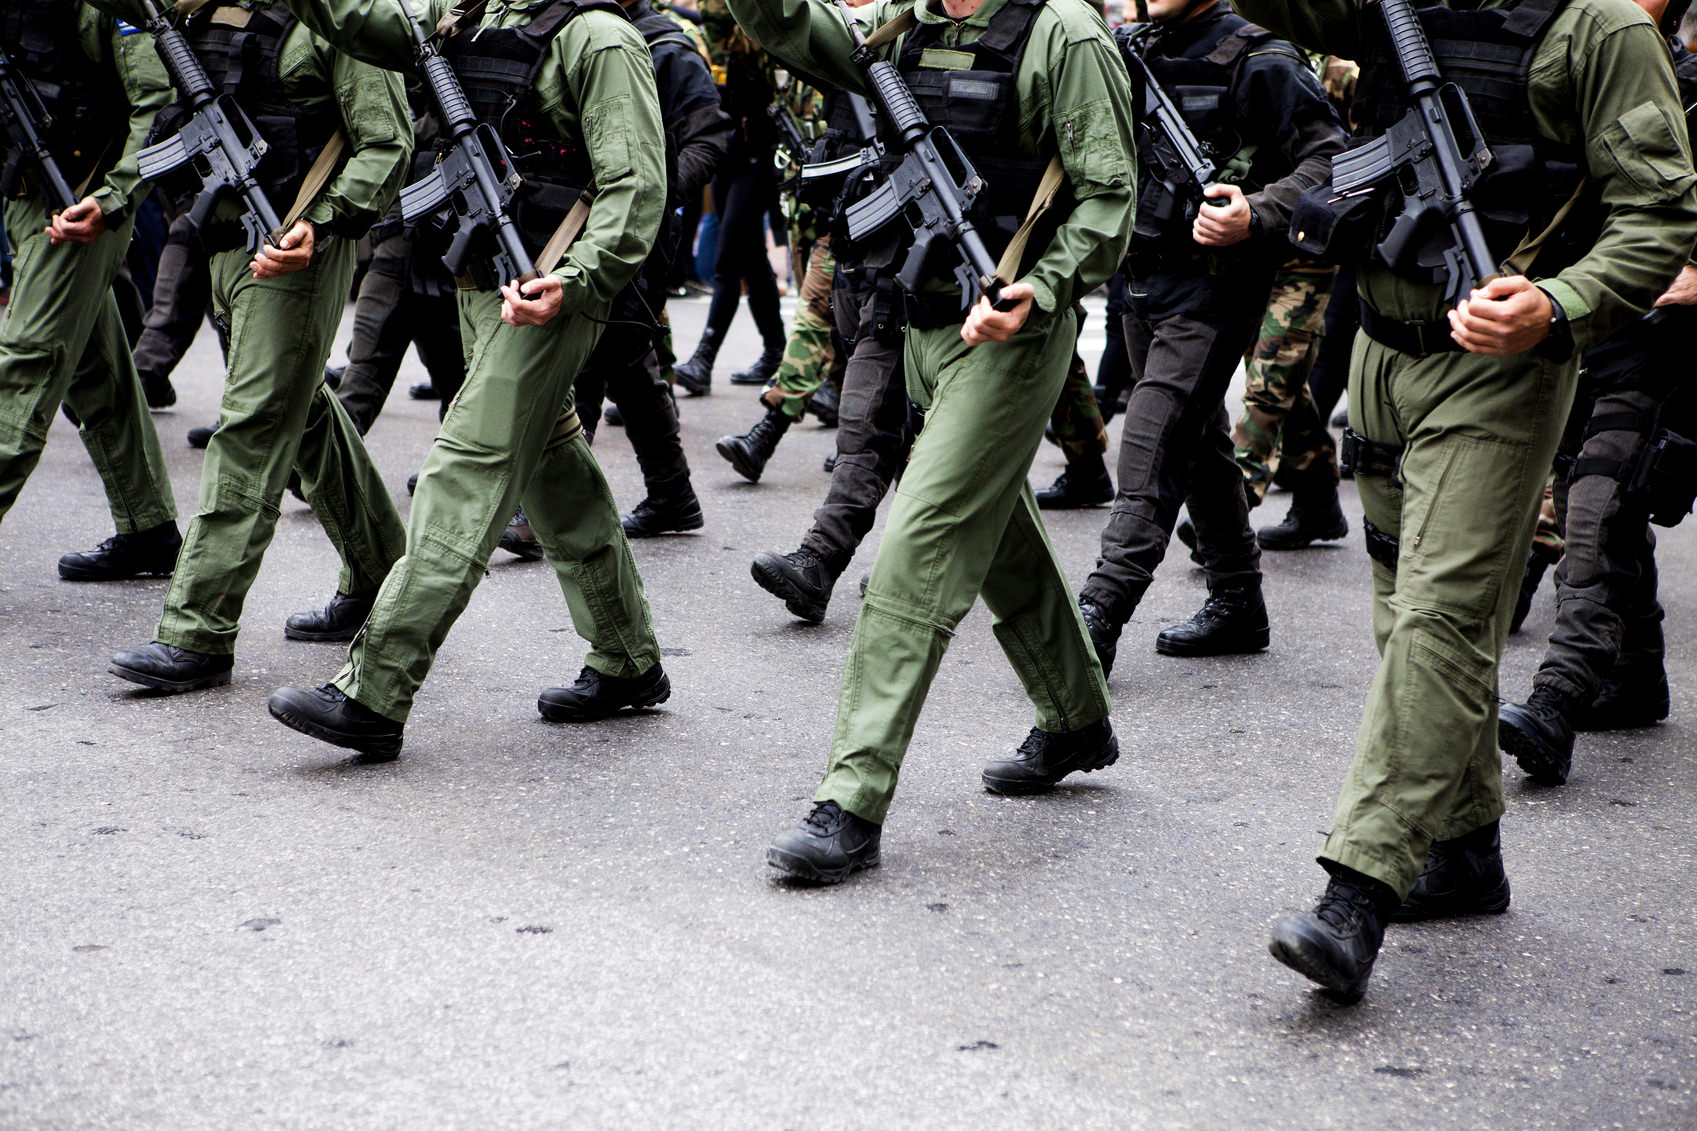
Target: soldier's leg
<point>1276,369</point>
<point>61,301</point>
<point>436,336</point>
<point>1083,438</point>
<point>1477,436</point>
<point>181,294</point>
<point>1219,507</point>
<point>384,322</point>
<point>281,332</point>
<point>808,353</point>
<point>947,527</point>
<point>513,409</point>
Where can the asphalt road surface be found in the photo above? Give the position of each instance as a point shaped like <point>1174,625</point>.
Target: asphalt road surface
<point>209,921</point>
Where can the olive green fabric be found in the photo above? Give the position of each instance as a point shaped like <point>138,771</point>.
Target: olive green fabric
<point>277,415</point>
<point>1480,432</point>
<point>963,524</point>
<point>809,357</point>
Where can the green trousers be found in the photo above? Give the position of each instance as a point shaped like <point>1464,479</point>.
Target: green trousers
<point>62,341</point>
<point>277,415</point>
<point>964,524</point>
<point>809,356</point>
<point>1478,434</point>
<point>510,437</point>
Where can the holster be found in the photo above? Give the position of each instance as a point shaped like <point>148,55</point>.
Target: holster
<point>1360,456</point>
<point>1665,481</point>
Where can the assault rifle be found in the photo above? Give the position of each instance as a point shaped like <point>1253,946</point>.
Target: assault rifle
<point>933,186</point>
<point>26,119</point>
<point>473,183</point>
<point>1435,154</point>
<point>1186,170</point>
<point>218,143</point>
<point>792,143</point>
<point>865,159</point>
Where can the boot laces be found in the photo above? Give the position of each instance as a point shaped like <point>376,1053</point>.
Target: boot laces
<point>824,815</point>
<point>804,558</point>
<point>1034,742</point>
<point>1342,906</point>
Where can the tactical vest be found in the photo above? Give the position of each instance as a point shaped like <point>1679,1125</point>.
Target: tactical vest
<point>1201,80</point>
<point>498,67</point>
<point>1488,54</point>
<point>241,49</point>
<point>87,103</point>
<point>972,92</point>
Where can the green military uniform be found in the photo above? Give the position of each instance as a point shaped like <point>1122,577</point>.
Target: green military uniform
<point>511,435</point>
<point>62,339</point>
<point>277,415</point>
<point>1279,428</point>
<point>964,522</point>
<point>1478,433</point>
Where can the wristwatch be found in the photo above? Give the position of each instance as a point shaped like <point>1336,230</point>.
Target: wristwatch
<point>1559,345</point>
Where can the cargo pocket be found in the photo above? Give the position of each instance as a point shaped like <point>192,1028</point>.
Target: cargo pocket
<point>1645,147</point>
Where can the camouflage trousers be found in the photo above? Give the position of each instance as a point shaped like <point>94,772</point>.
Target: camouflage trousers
<point>1076,423</point>
<point>809,357</point>
<point>1280,432</point>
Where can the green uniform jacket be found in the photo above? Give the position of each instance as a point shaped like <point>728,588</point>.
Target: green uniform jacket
<point>1601,83</point>
<point>1075,99</point>
<point>109,43</point>
<point>597,83</point>
<point>374,115</point>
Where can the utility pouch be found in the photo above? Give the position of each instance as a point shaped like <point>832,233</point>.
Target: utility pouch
<point>1666,479</point>
<point>1335,229</point>
<point>1360,456</point>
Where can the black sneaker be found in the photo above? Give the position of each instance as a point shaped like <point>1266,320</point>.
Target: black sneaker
<point>164,667</point>
<point>1314,516</point>
<point>1537,733</point>
<point>827,846</point>
<point>802,579</point>
<point>674,514</point>
<point>200,437</point>
<point>1232,621</point>
<point>519,540</point>
<point>1463,876</point>
<point>1104,633</point>
<point>1337,943</point>
<point>145,553</point>
<point>1078,486</point>
<point>330,716</point>
<point>1626,703</point>
<point>1044,758</point>
<point>336,623</point>
<point>596,696</point>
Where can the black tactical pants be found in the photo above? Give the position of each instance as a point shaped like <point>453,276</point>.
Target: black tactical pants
<point>182,295</point>
<point>1177,442</point>
<point>741,192</point>
<point>872,425</point>
<point>390,315</point>
<point>624,367</point>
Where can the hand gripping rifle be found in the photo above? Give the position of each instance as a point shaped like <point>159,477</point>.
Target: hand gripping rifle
<point>26,119</point>
<point>1186,170</point>
<point>473,183</point>
<point>1434,163</point>
<point>932,187</point>
<point>218,143</point>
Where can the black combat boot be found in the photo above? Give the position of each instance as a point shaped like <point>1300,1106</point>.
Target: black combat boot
<point>424,391</point>
<point>519,539</point>
<point>336,623</point>
<point>1537,563</point>
<point>749,452</point>
<point>1538,734</point>
<point>763,368</point>
<point>802,579</point>
<point>825,847</point>
<point>1232,620</point>
<point>164,667</point>
<point>1314,516</point>
<point>1044,758</point>
<point>327,714</point>
<point>825,404</point>
<point>696,374</point>
<point>596,695</point>
<point>200,437</point>
<point>145,553</point>
<point>1085,483</point>
<point>1104,633</point>
<point>1626,701</point>
<point>674,512</point>
<point>1463,876</point>
<point>1336,943</point>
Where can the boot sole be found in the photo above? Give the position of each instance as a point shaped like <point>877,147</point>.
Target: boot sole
<point>340,636</point>
<point>796,868</point>
<point>82,573</point>
<point>159,683</point>
<point>1315,971</point>
<point>373,750</point>
<point>674,528</point>
<point>1494,902</point>
<point>1530,754</point>
<point>652,698</point>
<point>735,458</point>
<point>739,379</point>
<point>1024,787</point>
<point>782,588</point>
<point>1256,643</point>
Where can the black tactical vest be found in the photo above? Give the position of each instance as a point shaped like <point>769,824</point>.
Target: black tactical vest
<point>972,91</point>
<point>498,68</point>
<point>1488,54</point>
<point>87,103</point>
<point>240,50</point>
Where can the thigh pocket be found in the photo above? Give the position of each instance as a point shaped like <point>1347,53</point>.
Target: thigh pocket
<point>1465,504</point>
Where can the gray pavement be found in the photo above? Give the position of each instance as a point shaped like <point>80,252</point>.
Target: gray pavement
<point>208,921</point>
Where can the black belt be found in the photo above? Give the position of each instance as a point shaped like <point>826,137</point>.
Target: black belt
<point>1417,339</point>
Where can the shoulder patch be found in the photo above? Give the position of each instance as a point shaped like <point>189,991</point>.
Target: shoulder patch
<point>127,29</point>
